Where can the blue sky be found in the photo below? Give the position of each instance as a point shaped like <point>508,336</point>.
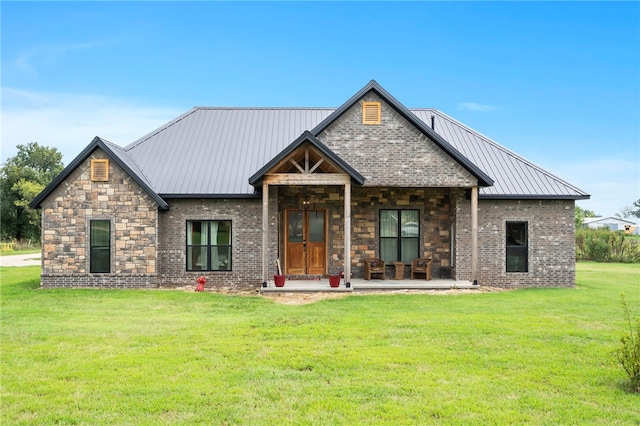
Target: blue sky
<point>556,82</point>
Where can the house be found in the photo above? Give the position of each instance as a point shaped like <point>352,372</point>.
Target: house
<point>226,192</point>
<point>613,223</point>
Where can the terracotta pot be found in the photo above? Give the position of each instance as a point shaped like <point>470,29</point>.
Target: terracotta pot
<point>279,280</point>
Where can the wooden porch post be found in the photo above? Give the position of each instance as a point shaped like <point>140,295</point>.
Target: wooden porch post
<point>474,234</point>
<point>347,233</point>
<point>265,233</point>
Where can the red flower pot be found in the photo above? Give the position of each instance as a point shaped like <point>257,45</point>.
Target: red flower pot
<point>279,280</point>
<point>334,280</point>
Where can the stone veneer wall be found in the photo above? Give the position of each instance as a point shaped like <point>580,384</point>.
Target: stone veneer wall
<point>66,215</point>
<point>551,242</point>
<point>435,221</point>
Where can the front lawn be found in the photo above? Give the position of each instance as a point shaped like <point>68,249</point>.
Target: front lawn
<point>540,356</point>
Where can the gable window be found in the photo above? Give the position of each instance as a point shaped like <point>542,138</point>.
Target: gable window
<point>209,245</point>
<point>399,235</point>
<point>371,112</point>
<point>517,247</point>
<point>100,170</point>
<point>99,246</point>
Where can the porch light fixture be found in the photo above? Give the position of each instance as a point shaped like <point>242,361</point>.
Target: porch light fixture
<point>306,201</point>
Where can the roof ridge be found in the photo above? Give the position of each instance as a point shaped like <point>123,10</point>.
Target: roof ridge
<point>231,108</point>
<point>506,150</point>
<point>139,170</point>
<point>159,130</point>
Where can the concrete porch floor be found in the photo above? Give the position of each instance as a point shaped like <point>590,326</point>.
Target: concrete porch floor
<point>360,284</point>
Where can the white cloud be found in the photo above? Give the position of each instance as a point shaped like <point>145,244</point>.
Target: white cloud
<point>69,122</point>
<point>472,106</point>
<point>28,59</point>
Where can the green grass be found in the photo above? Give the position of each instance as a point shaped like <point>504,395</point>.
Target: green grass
<point>20,251</point>
<point>540,356</point>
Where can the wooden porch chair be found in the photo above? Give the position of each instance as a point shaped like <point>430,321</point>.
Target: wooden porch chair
<point>421,265</point>
<point>373,267</point>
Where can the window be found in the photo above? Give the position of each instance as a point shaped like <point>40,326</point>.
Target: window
<point>371,112</point>
<point>517,247</point>
<point>399,235</point>
<point>100,170</point>
<point>100,246</point>
<point>209,245</point>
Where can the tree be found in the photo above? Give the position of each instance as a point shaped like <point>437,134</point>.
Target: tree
<point>22,178</point>
<point>630,211</point>
<point>581,214</point>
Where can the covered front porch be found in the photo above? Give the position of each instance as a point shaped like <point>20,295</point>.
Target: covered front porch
<point>360,284</point>
<point>318,217</point>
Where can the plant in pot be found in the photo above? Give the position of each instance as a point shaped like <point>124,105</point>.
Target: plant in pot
<point>279,279</point>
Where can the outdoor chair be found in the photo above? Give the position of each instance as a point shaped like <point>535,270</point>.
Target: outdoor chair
<point>421,266</point>
<point>373,267</point>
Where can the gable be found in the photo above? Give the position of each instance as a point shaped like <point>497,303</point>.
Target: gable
<point>309,157</point>
<point>80,190</point>
<point>209,152</point>
<point>393,152</point>
<point>110,152</point>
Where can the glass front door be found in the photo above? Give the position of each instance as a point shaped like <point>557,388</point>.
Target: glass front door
<point>306,248</point>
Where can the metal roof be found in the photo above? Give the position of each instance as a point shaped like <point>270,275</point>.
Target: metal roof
<point>514,176</point>
<point>212,152</point>
<point>119,156</point>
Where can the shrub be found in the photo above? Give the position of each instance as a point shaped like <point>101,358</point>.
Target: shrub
<point>603,245</point>
<point>629,353</point>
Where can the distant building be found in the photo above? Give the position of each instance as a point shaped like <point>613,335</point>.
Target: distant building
<point>611,222</point>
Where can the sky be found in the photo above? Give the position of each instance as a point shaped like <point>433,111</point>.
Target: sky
<point>556,82</point>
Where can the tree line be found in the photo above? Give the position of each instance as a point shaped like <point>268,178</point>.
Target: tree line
<point>22,178</point>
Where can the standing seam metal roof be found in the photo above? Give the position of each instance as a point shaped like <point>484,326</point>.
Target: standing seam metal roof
<point>213,151</point>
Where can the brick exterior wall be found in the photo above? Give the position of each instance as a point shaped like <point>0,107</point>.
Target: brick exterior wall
<point>403,170</point>
<point>246,239</point>
<point>66,215</point>
<point>551,252</point>
<point>393,153</point>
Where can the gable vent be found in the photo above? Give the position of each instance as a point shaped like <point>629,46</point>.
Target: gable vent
<point>371,112</point>
<point>100,170</point>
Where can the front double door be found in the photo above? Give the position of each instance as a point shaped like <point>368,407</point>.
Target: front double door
<point>306,242</point>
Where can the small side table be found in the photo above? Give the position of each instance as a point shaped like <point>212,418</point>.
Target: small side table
<point>399,270</point>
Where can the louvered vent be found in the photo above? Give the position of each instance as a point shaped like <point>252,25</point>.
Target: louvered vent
<point>371,112</point>
<point>99,170</point>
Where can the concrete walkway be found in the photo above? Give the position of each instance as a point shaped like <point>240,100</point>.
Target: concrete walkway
<point>32,259</point>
